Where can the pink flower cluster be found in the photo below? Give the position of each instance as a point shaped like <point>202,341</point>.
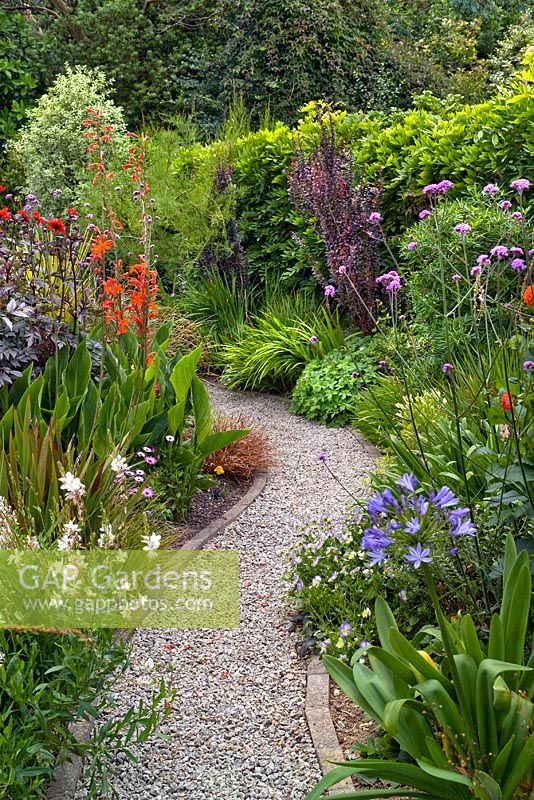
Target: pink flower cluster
<point>390,281</point>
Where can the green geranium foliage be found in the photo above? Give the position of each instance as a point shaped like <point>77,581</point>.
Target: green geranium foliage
<point>327,389</point>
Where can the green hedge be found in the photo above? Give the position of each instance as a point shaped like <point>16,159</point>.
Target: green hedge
<point>469,144</point>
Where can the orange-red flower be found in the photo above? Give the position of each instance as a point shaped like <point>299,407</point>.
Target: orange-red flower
<point>100,247</point>
<point>4,213</point>
<point>506,401</point>
<point>73,214</point>
<point>38,218</point>
<point>23,214</point>
<point>57,225</point>
<point>2,187</point>
<point>112,287</point>
<point>528,296</point>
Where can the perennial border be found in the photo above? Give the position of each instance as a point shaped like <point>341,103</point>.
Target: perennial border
<point>68,773</point>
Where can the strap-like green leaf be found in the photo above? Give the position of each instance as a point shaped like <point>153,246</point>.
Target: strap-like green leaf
<point>403,648</point>
<point>446,712</point>
<point>496,638</point>
<point>470,638</point>
<point>522,765</point>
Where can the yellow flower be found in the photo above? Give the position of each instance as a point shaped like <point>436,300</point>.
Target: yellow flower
<point>427,658</point>
<point>219,470</point>
<point>366,613</point>
<point>340,644</point>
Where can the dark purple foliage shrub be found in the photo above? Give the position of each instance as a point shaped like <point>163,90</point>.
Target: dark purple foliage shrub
<point>345,216</point>
<point>44,286</point>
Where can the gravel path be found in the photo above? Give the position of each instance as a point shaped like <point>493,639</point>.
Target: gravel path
<point>237,731</point>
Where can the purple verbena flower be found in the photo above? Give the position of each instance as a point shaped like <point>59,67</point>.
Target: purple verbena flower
<point>518,264</point>
<point>528,366</point>
<point>329,290</point>
<point>462,228</point>
<point>476,270</point>
<point>517,215</point>
<point>313,339</point>
<point>411,245</point>
<point>490,188</point>
<point>520,185</point>
<point>505,205</point>
<point>456,277</point>
<point>424,214</point>
<point>500,251</point>
<point>447,367</point>
<point>375,217</point>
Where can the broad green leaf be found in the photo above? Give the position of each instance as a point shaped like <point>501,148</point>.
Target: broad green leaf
<point>201,409</point>
<point>183,373</point>
<point>175,417</point>
<point>217,441</point>
<point>78,372</point>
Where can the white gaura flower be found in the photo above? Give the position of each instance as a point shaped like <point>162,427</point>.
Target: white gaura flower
<point>106,538</point>
<point>72,486</point>
<point>119,465</point>
<point>151,542</point>
<point>65,543</point>
<point>169,438</point>
<point>70,528</point>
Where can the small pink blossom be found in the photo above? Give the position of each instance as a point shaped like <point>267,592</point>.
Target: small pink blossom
<point>520,185</point>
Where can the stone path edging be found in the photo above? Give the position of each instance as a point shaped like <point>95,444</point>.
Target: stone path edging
<point>204,536</point>
<point>319,719</point>
<point>68,773</point>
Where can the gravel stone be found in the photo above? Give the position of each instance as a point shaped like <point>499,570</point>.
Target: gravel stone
<point>237,730</point>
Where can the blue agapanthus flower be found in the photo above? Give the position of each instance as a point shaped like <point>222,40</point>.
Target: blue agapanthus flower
<point>408,522</point>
